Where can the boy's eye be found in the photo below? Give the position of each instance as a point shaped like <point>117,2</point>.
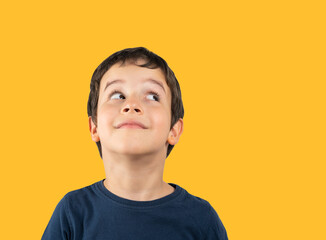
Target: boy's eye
<point>156,96</point>
<point>116,93</point>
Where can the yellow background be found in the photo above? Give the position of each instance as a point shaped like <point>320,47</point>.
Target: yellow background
<point>252,75</point>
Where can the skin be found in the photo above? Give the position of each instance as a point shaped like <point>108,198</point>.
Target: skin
<point>134,158</point>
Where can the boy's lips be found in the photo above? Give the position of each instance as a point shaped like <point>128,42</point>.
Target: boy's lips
<point>131,124</point>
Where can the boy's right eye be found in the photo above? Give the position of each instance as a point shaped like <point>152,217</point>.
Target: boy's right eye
<point>116,93</point>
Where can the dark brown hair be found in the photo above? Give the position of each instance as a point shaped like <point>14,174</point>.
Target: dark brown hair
<point>153,61</point>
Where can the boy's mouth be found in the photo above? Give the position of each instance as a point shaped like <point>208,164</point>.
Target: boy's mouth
<point>131,124</point>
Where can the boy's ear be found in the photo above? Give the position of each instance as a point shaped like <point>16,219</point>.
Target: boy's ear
<point>93,130</point>
<point>175,132</point>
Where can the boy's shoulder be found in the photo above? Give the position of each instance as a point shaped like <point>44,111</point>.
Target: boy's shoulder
<point>80,195</point>
<point>96,187</point>
<point>97,194</point>
<point>178,207</point>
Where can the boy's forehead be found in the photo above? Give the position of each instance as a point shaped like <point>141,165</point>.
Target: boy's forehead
<point>129,70</point>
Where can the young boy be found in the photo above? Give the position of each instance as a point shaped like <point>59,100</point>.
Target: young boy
<point>135,117</point>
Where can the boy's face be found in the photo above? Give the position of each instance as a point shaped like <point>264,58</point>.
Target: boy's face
<point>128,93</point>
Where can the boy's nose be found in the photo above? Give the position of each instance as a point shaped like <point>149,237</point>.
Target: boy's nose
<point>128,108</point>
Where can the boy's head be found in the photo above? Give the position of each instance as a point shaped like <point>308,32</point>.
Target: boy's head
<point>136,97</point>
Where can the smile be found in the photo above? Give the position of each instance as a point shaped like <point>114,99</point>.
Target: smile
<point>131,126</point>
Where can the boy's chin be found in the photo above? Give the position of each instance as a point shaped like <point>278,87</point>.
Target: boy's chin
<point>135,151</point>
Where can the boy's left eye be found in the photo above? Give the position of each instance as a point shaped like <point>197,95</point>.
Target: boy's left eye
<point>156,96</point>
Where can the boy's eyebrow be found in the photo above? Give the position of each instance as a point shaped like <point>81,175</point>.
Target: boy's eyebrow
<point>122,81</point>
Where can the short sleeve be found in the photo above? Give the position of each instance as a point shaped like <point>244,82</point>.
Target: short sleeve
<point>215,228</point>
<point>58,227</point>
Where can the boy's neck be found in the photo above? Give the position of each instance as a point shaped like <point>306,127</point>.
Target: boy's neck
<point>136,179</point>
<point>158,193</point>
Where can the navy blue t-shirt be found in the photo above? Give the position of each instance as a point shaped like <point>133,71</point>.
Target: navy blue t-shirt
<point>93,212</point>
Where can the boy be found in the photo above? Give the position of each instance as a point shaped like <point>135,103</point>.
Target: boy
<point>135,117</point>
